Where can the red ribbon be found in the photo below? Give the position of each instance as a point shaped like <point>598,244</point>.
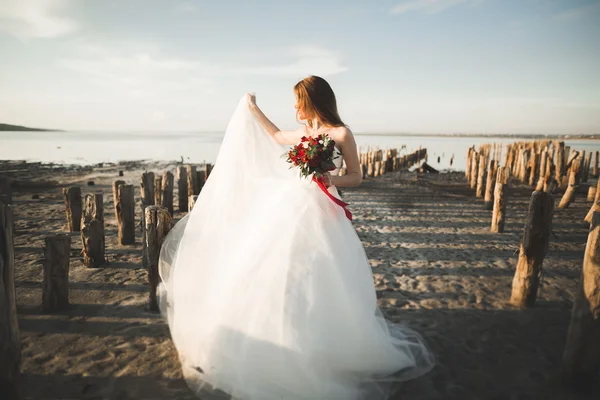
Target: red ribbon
<point>332,197</point>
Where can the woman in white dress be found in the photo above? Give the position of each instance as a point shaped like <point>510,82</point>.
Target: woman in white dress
<point>265,284</point>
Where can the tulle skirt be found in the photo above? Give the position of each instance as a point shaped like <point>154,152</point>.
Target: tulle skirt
<point>268,291</point>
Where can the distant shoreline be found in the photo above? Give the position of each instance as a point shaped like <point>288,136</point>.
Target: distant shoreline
<point>19,128</point>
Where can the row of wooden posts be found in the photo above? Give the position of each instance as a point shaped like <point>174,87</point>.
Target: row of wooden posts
<point>545,165</point>
<point>377,162</point>
<point>86,215</point>
<point>548,167</point>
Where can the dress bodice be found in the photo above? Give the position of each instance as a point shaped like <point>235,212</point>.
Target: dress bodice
<point>338,162</point>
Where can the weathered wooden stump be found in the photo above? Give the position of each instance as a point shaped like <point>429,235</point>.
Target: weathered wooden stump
<point>209,168</point>
<point>201,176</point>
<point>595,167</point>
<point>125,214</point>
<point>586,167</point>
<point>560,161</point>
<point>147,189</point>
<point>377,169</point>
<point>581,359</point>
<point>489,185</point>
<point>595,207</point>
<point>147,192</point>
<point>192,180</point>
<point>158,190</point>
<point>499,213</point>
<point>591,193</point>
<point>92,231</point>
<point>55,289</point>
<point>158,224</point>
<point>569,195</point>
<point>534,247</point>
<point>481,170</point>
<point>167,192</point>
<point>73,207</point>
<point>534,161</point>
<point>182,189</point>
<point>10,341</point>
<point>474,169</point>
<point>370,170</point>
<point>192,202</point>
<point>115,187</point>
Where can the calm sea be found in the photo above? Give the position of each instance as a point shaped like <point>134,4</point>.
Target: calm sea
<point>95,147</point>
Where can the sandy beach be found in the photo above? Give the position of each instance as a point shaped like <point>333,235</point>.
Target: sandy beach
<point>436,267</point>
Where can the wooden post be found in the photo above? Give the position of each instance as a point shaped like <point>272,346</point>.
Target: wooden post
<point>469,160</point>
<point>182,189</point>
<point>534,247</point>
<point>147,193</point>
<point>569,195</point>
<point>560,161</point>
<point>370,169</point>
<point>192,175</point>
<point>158,224</point>
<point>5,188</point>
<point>595,207</point>
<point>209,168</point>
<point>147,189</point>
<point>126,214</point>
<point>474,169</point>
<point>73,207</point>
<point>533,167</point>
<point>92,231</point>
<point>489,185</point>
<point>192,202</point>
<point>201,176</point>
<point>479,192</point>
<point>581,359</point>
<point>10,341</point>
<point>55,289</point>
<point>377,168</point>
<point>167,192</point>
<point>586,168</point>
<point>115,192</point>
<point>158,190</point>
<point>591,193</point>
<point>595,167</point>
<point>498,215</point>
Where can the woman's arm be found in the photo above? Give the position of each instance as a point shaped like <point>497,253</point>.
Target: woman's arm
<point>281,137</point>
<point>347,145</point>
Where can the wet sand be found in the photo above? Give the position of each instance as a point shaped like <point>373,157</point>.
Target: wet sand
<point>436,267</point>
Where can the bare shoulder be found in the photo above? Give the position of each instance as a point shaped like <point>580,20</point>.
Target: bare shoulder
<point>341,134</point>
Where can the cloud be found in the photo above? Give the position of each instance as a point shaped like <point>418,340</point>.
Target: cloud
<point>303,60</point>
<point>428,6</point>
<point>35,18</point>
<point>151,73</point>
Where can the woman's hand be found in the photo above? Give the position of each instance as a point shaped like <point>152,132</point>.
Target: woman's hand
<point>327,179</point>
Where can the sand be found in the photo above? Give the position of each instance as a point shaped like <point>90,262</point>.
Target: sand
<point>436,268</point>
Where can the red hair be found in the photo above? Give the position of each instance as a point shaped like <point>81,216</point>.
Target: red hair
<point>317,100</point>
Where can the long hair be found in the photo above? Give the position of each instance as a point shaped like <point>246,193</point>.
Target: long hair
<point>317,100</point>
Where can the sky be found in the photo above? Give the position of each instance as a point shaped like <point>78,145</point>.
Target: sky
<point>419,66</point>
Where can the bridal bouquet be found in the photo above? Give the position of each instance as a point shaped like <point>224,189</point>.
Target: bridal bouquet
<point>314,156</point>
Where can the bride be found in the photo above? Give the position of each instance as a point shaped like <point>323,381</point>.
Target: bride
<point>266,286</point>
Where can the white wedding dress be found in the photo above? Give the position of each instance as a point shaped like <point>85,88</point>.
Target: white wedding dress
<point>268,291</point>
